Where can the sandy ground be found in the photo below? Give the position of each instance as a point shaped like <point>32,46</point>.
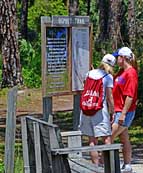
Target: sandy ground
<point>30,101</point>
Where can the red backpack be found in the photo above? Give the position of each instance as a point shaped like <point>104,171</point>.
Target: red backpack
<point>92,96</point>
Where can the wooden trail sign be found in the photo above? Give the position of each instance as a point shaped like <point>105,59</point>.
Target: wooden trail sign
<point>66,53</point>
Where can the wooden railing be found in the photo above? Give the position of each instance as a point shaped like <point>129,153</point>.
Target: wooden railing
<point>44,151</point>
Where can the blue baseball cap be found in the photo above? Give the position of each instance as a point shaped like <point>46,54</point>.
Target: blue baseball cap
<point>115,54</point>
<point>124,51</point>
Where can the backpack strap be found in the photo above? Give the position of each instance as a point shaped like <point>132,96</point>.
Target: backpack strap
<point>105,90</point>
<point>105,75</point>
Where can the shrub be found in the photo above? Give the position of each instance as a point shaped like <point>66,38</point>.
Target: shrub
<point>31,79</point>
<point>31,64</point>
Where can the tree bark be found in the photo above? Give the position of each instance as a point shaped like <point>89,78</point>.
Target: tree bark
<point>103,19</point>
<point>73,7</point>
<point>115,23</point>
<point>88,7</point>
<point>11,70</point>
<point>24,14</point>
<point>131,22</point>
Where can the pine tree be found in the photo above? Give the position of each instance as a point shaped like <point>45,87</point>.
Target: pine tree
<point>11,70</point>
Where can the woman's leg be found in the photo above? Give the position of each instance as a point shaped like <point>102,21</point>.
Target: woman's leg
<point>116,131</point>
<point>127,150</point>
<point>106,140</point>
<point>94,154</point>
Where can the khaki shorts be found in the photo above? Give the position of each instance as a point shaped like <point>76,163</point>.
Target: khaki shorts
<point>94,125</point>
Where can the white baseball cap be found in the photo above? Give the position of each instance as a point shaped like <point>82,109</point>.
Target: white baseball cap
<point>109,59</point>
<point>125,51</point>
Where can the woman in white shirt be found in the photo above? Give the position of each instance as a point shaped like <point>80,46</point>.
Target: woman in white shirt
<point>98,125</point>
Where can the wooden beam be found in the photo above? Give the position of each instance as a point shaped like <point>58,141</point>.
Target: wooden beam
<point>25,145</point>
<point>37,147</point>
<point>41,121</point>
<point>47,108</point>
<point>86,149</point>
<point>10,130</point>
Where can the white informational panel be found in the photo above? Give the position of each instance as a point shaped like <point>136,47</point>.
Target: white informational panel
<point>80,56</point>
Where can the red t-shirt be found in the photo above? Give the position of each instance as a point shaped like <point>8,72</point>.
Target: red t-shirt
<point>125,84</point>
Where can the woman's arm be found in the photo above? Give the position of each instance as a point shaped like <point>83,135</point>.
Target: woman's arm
<point>127,105</point>
<point>110,101</point>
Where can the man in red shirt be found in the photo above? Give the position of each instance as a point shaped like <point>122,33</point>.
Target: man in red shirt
<point>125,99</point>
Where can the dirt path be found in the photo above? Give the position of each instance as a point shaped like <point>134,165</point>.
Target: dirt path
<point>30,101</point>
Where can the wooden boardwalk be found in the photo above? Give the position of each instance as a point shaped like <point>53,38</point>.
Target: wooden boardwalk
<point>44,151</point>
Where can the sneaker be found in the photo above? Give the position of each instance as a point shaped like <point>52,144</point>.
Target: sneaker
<point>126,168</point>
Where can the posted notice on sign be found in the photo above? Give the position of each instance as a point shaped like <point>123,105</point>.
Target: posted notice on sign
<point>80,56</point>
<point>56,56</point>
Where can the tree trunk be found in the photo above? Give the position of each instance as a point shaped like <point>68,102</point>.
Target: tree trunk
<point>88,7</point>
<point>114,23</point>
<point>73,7</point>
<point>103,19</point>
<point>131,22</point>
<point>24,14</point>
<point>11,71</point>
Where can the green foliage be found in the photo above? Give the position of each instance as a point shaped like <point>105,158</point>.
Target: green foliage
<point>0,61</point>
<point>138,53</point>
<point>100,49</point>
<point>27,53</point>
<point>0,67</point>
<point>31,79</point>
<point>1,156</point>
<point>30,52</point>
<point>82,7</point>
<point>96,58</point>
<point>18,163</point>
<point>44,8</point>
<point>31,64</point>
<point>1,166</point>
<point>136,133</point>
<point>139,111</point>
<point>139,11</point>
<point>94,17</point>
<point>0,75</point>
<point>3,92</point>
